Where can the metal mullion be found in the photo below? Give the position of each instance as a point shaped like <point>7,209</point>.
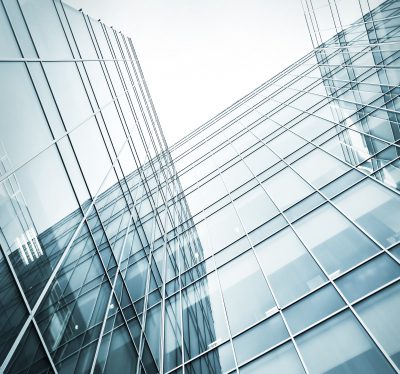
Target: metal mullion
<point>316,28</point>
<point>138,125</point>
<point>110,298</point>
<point>339,124</point>
<point>112,294</point>
<point>322,268</point>
<point>331,154</point>
<point>146,294</point>
<point>53,275</point>
<point>148,94</point>
<point>61,159</point>
<point>97,103</point>
<point>257,257</point>
<point>361,21</point>
<point>333,98</point>
<point>27,309</point>
<point>118,68</point>
<point>9,173</point>
<point>281,87</point>
<point>344,128</point>
<point>176,146</point>
<point>321,78</point>
<point>161,352</point>
<point>127,69</point>
<point>142,109</point>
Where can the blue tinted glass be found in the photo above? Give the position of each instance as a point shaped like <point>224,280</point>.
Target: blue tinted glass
<point>340,345</point>
<point>288,266</point>
<point>237,278</point>
<point>283,359</point>
<point>218,361</point>
<point>30,356</point>
<point>375,208</point>
<point>311,309</point>
<point>380,313</point>
<point>335,242</point>
<point>203,299</point>
<point>368,277</point>
<point>259,338</point>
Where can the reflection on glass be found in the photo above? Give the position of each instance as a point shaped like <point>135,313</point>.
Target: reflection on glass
<point>380,313</point>
<point>260,338</point>
<point>283,359</point>
<point>244,286</point>
<point>368,277</point>
<point>218,361</point>
<point>335,242</point>
<point>340,345</point>
<point>223,228</point>
<point>30,356</point>
<point>319,168</point>
<point>289,267</point>
<point>313,308</point>
<point>204,323</point>
<point>375,208</point>
<point>261,160</point>
<point>287,188</point>
<point>254,208</point>
<point>12,310</point>
<point>172,334</point>
<point>236,175</point>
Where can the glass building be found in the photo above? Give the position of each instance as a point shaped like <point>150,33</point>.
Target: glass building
<point>266,241</point>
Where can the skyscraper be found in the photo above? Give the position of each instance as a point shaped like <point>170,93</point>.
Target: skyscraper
<point>268,240</point>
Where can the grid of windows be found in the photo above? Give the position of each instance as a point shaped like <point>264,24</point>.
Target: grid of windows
<point>268,240</point>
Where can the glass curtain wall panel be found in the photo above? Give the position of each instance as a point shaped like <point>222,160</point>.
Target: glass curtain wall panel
<point>295,194</point>
<point>266,240</point>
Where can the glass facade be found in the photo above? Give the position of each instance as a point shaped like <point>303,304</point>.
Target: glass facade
<point>267,240</point>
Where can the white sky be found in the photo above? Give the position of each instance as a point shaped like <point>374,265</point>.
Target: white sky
<point>199,56</point>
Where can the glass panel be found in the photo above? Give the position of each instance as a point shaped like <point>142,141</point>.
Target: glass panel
<point>313,308</point>
<point>204,321</point>
<point>281,360</point>
<point>69,92</point>
<point>30,356</point>
<point>287,188</point>
<point>122,356</point>
<point>40,20</point>
<point>153,331</point>
<point>286,143</point>
<point>340,345</point>
<point>237,278</point>
<point>173,331</point>
<point>261,160</point>
<point>368,277</point>
<point>319,168</point>
<point>96,163</point>
<point>12,310</point>
<point>335,242</point>
<point>236,175</point>
<point>38,219</point>
<point>255,208</point>
<point>218,361</point>
<point>232,251</point>
<point>8,44</point>
<point>375,208</point>
<point>260,338</point>
<point>223,228</point>
<point>30,132</point>
<point>380,313</point>
<point>289,267</point>
<point>206,194</point>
